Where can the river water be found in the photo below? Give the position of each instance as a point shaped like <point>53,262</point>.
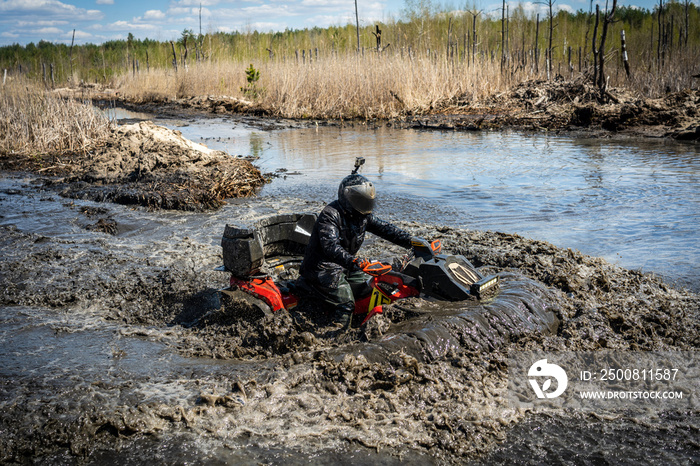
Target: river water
<point>634,203</point>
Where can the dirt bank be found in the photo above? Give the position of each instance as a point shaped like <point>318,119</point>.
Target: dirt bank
<point>300,385</point>
<point>147,165</point>
<point>558,105</point>
<point>574,107</point>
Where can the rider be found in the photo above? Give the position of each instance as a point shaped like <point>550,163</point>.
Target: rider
<point>330,265</point>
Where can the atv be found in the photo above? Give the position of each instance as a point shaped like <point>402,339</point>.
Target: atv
<point>263,264</point>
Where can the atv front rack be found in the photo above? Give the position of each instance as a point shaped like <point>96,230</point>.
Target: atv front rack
<point>450,277</point>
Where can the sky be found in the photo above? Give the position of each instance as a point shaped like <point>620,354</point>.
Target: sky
<point>97,21</point>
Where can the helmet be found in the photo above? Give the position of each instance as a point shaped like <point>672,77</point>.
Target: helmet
<point>357,193</point>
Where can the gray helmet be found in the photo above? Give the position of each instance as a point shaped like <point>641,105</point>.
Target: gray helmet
<point>357,193</point>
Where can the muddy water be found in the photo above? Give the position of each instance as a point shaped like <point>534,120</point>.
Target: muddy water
<point>115,348</point>
<point>632,202</point>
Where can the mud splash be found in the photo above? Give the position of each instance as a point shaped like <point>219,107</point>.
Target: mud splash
<point>426,331</point>
<point>427,381</point>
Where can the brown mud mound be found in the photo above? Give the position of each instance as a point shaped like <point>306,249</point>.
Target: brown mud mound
<point>147,165</point>
<point>562,104</point>
<point>152,166</point>
<point>210,104</point>
<point>574,106</point>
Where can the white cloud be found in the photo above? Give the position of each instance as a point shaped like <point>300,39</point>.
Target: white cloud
<point>530,8</point>
<point>329,20</point>
<point>196,3</point>
<point>567,8</point>
<point>268,11</point>
<point>81,35</point>
<point>154,15</point>
<point>50,30</point>
<point>180,11</point>
<point>326,3</point>
<point>105,2</point>
<point>40,23</point>
<point>46,9</point>
<point>266,26</point>
<point>125,26</point>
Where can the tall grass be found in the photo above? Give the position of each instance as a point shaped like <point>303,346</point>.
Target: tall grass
<point>346,86</point>
<point>36,122</point>
<point>402,81</point>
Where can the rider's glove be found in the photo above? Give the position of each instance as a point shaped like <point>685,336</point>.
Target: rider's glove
<point>360,262</point>
<point>375,268</point>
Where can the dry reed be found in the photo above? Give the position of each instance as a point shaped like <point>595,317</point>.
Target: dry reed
<point>385,86</point>
<point>332,87</point>
<point>35,122</point>
<point>242,181</point>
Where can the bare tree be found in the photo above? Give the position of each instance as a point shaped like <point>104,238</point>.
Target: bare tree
<point>186,34</point>
<point>607,19</point>
<point>550,17</point>
<point>503,35</point>
<point>474,34</point>
<point>71,55</point>
<point>659,43</point>
<point>588,30</point>
<point>172,45</point>
<point>593,47</point>
<point>537,47</point>
<point>686,4</point>
<point>550,3</point>
<point>199,51</point>
<point>357,22</point>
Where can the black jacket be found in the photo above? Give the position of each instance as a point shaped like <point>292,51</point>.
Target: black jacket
<point>336,238</point>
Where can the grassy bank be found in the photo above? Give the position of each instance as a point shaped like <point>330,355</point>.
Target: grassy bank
<point>35,123</point>
<point>386,86</point>
<point>332,87</point>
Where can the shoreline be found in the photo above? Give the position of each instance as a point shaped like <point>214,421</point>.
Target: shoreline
<point>564,107</point>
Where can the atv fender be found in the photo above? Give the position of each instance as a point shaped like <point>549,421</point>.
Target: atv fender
<point>244,305</point>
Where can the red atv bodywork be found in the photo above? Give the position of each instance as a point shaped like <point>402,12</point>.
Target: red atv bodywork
<point>384,289</point>
<point>267,290</point>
